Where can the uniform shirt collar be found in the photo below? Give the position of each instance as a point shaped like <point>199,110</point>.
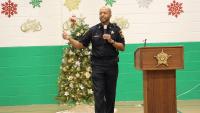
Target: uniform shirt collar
<point>100,26</point>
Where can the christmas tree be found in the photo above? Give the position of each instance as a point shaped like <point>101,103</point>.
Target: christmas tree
<point>74,82</point>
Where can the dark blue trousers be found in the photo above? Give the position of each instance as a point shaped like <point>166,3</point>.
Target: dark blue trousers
<point>104,81</point>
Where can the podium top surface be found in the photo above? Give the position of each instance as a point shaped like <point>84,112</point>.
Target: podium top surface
<point>159,58</point>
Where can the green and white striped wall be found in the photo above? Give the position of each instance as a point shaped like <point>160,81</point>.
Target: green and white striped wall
<point>28,75</point>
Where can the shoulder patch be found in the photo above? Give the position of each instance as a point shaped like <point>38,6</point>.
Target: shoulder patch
<point>121,34</point>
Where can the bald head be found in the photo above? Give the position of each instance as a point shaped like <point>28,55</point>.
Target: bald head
<point>105,14</point>
<point>106,8</point>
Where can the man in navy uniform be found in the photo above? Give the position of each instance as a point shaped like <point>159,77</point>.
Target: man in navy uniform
<point>106,39</point>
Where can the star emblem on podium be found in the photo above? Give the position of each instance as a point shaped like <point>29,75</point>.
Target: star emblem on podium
<point>162,58</point>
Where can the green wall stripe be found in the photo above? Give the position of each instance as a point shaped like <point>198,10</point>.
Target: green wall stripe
<point>28,75</point>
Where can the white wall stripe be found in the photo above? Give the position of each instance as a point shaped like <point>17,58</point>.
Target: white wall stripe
<point>152,23</point>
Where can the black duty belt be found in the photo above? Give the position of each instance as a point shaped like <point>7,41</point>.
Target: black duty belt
<point>104,58</point>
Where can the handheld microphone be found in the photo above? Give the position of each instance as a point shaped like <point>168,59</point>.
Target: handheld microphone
<point>105,31</point>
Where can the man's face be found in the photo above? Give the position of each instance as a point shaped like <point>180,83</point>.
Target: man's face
<point>104,15</point>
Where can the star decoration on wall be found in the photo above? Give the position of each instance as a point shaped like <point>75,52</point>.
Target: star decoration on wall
<point>175,8</point>
<point>110,2</point>
<point>35,3</point>
<point>9,8</point>
<point>144,3</point>
<point>72,4</point>
<point>121,22</point>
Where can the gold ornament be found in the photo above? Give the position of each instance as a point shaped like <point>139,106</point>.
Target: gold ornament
<point>66,93</point>
<point>90,91</point>
<point>71,85</point>
<point>77,75</point>
<point>70,60</point>
<point>70,78</point>
<point>64,69</point>
<point>87,75</point>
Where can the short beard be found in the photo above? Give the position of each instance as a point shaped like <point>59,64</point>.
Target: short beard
<point>105,22</point>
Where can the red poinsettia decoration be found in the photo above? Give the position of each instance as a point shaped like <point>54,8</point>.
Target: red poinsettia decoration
<point>175,8</point>
<point>9,8</point>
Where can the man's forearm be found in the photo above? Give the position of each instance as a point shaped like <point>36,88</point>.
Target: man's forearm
<point>76,43</point>
<point>118,46</point>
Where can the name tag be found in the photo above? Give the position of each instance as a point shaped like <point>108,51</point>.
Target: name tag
<point>96,36</point>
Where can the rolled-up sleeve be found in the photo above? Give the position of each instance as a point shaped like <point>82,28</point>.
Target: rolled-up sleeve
<point>120,36</point>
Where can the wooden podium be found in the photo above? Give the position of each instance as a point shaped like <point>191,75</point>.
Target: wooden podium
<point>159,66</point>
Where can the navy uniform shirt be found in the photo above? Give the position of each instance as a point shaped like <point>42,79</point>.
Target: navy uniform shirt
<point>102,50</point>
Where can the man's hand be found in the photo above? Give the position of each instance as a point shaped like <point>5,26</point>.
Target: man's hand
<point>65,35</point>
<point>72,41</point>
<point>117,45</point>
<point>108,38</point>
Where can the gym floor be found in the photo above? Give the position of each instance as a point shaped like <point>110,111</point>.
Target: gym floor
<point>183,106</point>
